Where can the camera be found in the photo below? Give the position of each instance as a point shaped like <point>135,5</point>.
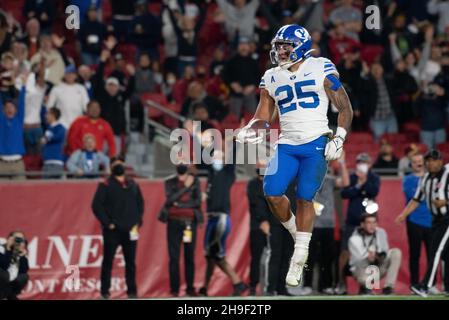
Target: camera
<point>19,240</point>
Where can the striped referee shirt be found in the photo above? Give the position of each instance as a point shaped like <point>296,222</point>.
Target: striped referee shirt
<point>434,188</point>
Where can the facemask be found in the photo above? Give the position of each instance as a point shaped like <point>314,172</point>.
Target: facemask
<point>181,169</point>
<point>362,168</point>
<point>118,170</point>
<point>171,81</point>
<point>217,165</point>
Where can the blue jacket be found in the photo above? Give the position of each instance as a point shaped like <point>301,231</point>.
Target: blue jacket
<point>421,216</point>
<point>11,130</point>
<point>356,195</point>
<point>53,149</point>
<point>78,160</point>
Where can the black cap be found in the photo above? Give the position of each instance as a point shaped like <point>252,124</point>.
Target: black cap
<point>434,154</point>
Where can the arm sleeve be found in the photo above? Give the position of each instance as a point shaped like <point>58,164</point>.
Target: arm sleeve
<point>329,68</point>
<point>57,137</point>
<point>419,193</point>
<point>72,161</point>
<point>372,186</point>
<point>395,53</point>
<point>52,98</point>
<point>98,205</point>
<point>357,251</point>
<point>110,138</point>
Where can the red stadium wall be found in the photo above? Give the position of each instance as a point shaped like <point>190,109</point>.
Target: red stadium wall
<point>57,219</point>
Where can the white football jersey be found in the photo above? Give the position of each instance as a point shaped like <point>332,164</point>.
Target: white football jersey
<point>301,99</point>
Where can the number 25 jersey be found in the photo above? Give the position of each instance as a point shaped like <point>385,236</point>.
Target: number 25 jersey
<point>301,100</point>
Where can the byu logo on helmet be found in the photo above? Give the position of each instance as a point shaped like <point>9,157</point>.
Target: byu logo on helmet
<point>298,38</point>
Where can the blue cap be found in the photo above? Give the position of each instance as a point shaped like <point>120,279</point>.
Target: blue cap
<point>70,69</point>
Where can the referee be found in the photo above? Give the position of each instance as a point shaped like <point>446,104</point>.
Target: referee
<point>434,188</point>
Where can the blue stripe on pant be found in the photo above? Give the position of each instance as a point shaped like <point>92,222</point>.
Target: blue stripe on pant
<point>217,230</point>
<point>306,162</point>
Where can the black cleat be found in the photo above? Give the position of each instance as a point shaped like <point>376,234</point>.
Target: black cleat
<point>202,292</point>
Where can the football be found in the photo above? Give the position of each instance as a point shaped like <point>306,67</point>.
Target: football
<point>262,127</point>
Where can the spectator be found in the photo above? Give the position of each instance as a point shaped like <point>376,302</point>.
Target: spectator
<point>364,184</point>
<point>43,11</point>
<point>86,162</point>
<point>13,266</point>
<point>378,101</point>
<point>119,65</point>
<point>91,36</point>
<point>182,215</point>
<point>217,65</point>
<point>187,37</point>
<point>35,93</point>
<point>31,39</point>
<point>112,100</point>
<point>119,206</point>
<point>386,160</point>
<point>432,104</point>
<point>322,245</point>
<point>11,137</point>
<point>404,90</point>
<point>5,33</point>
<point>368,246</point>
<point>259,227</point>
<point>93,124</point>
<point>169,35</point>
<point>440,8</point>
<point>122,15</point>
<point>69,97</point>
<point>197,94</point>
<point>404,165</point>
<point>84,78</point>
<point>7,77</point>
<point>145,30</point>
<point>350,17</point>
<point>53,59</point>
<point>221,178</point>
<point>239,18</point>
<point>53,142</point>
<point>84,7</point>
<point>419,223</point>
<point>340,44</point>
<point>144,79</point>
<point>241,73</point>
<point>21,63</point>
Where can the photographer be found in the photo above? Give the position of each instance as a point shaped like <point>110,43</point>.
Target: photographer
<point>13,266</point>
<point>368,246</point>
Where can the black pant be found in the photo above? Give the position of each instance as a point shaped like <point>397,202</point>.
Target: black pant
<point>175,232</point>
<point>322,251</point>
<point>417,235</point>
<point>257,241</point>
<point>281,245</point>
<point>439,249</point>
<point>10,289</point>
<point>112,239</point>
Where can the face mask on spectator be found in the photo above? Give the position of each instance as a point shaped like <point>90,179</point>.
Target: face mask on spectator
<point>118,170</point>
<point>362,168</point>
<point>181,169</point>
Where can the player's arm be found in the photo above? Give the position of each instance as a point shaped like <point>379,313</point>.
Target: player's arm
<point>265,111</point>
<point>339,98</point>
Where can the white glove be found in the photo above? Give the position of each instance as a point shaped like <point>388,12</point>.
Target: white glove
<point>334,148</point>
<point>246,134</point>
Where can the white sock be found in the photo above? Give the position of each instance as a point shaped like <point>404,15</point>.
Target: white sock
<point>301,247</point>
<point>290,225</point>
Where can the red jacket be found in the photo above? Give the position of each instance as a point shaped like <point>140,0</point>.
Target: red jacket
<point>100,128</point>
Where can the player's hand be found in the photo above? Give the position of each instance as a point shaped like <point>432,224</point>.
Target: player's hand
<point>246,134</point>
<point>334,148</point>
<point>399,219</point>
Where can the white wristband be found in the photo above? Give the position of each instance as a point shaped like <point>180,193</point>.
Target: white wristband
<point>341,132</point>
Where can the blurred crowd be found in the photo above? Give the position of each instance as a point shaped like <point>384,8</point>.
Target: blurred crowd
<point>203,60</point>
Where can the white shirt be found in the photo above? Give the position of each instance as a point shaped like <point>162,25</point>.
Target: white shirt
<point>33,100</point>
<point>300,99</point>
<point>70,99</point>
